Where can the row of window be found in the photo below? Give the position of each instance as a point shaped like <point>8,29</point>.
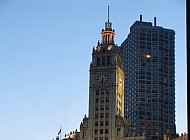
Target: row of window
<point>154,32</point>
<point>102,123</point>
<point>102,99</point>
<point>101,131</point>
<point>98,92</point>
<point>102,115</point>
<point>102,61</point>
<point>102,107</point>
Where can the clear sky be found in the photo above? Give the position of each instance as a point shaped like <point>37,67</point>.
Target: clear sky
<point>45,53</point>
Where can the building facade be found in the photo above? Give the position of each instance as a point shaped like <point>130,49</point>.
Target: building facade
<point>105,120</point>
<point>149,64</point>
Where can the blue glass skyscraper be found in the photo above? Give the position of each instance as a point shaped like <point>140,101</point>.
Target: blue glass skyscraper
<point>149,66</point>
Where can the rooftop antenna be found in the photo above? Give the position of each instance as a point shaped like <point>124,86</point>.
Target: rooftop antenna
<point>108,12</point>
<point>140,18</point>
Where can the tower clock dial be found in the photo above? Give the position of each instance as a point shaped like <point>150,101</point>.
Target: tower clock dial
<point>102,78</point>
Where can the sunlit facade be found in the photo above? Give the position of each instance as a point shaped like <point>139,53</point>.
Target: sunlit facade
<point>149,65</point>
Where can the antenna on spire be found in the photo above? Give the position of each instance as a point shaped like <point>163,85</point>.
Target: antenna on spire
<point>108,12</point>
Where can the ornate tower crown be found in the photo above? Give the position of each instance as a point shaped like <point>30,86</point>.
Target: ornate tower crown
<point>107,33</point>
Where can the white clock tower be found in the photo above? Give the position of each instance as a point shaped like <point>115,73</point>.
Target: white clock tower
<point>106,91</point>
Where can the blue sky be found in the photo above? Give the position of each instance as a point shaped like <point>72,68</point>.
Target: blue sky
<point>45,52</point>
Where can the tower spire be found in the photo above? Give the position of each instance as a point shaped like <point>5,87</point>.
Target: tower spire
<point>108,34</point>
<point>108,12</point>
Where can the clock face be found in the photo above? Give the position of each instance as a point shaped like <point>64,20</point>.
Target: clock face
<point>109,47</point>
<point>102,78</point>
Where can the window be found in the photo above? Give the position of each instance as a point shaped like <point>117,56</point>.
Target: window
<point>103,60</point>
<point>106,123</point>
<point>106,131</point>
<point>97,92</point>
<point>107,115</point>
<point>102,99</point>
<point>118,132</point>
<point>96,131</point>
<point>101,115</point>
<point>101,123</point>
<point>108,60</point>
<point>107,99</point>
<point>101,131</point>
<point>106,138</point>
<point>97,100</point>
<point>102,92</point>
<point>96,123</point>
<point>98,61</point>
<point>102,107</point>
<point>107,107</point>
<point>96,115</point>
<point>107,91</point>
